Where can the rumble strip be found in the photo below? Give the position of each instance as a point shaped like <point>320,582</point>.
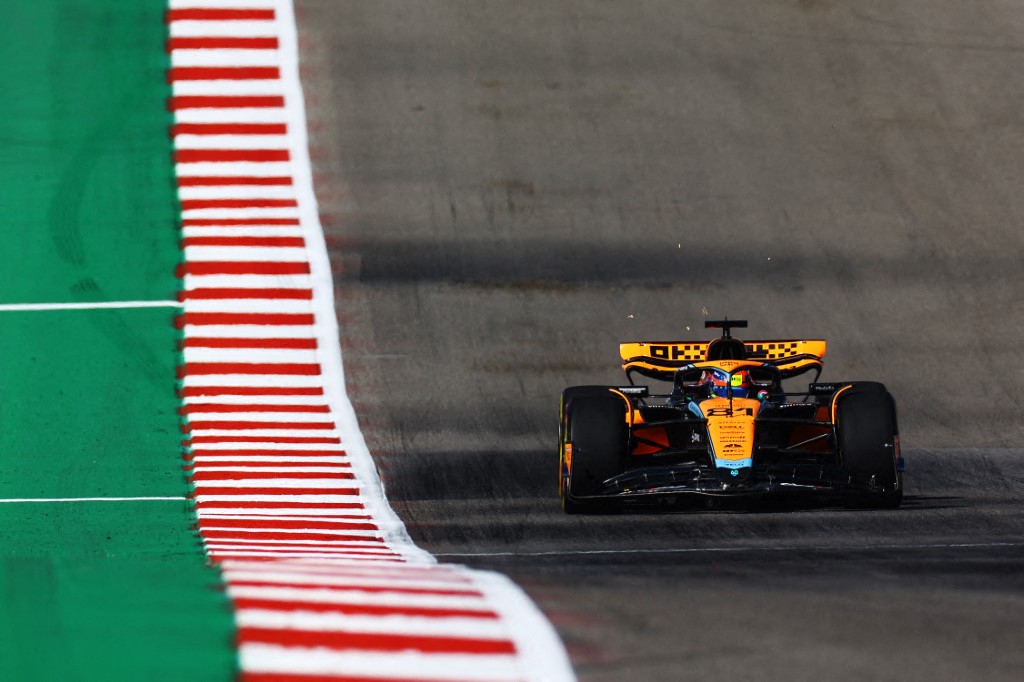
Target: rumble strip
<point>325,581</point>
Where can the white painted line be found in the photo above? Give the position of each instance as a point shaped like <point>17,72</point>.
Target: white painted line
<point>398,665</point>
<point>220,57</point>
<point>231,115</point>
<point>343,530</point>
<point>36,500</point>
<point>355,596</point>
<point>236,29</point>
<point>243,281</point>
<point>336,519</point>
<point>343,546</point>
<point>404,573</point>
<point>247,305</point>
<point>285,448</point>
<point>260,416</point>
<point>242,231</point>
<point>364,586</point>
<point>265,254</point>
<point>101,305</point>
<point>274,483</point>
<point>351,582</point>
<point>344,537</point>
<point>230,141</point>
<point>250,380</point>
<point>330,526</point>
<point>227,510</point>
<point>239,213</point>
<point>203,169</point>
<point>316,549</point>
<point>269,434</point>
<point>268,420</point>
<point>226,87</point>
<point>237,192</point>
<point>476,628</point>
<point>202,464</point>
<point>228,470</point>
<point>222,4</point>
<point>226,500</point>
<point>311,400</point>
<point>351,554</point>
<point>272,464</point>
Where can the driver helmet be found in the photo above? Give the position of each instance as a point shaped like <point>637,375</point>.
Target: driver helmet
<point>721,381</point>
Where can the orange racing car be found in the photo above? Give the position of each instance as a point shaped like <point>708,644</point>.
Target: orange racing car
<point>727,428</point>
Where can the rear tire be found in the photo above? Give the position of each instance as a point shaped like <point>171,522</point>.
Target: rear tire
<point>867,431</point>
<point>594,425</point>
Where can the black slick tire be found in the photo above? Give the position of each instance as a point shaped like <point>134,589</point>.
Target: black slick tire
<point>594,432</point>
<point>568,396</point>
<point>867,431</point>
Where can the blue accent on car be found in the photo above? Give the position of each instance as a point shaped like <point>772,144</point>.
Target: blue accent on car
<point>734,463</point>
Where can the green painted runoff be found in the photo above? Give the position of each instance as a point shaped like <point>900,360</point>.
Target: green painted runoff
<point>94,590</point>
<point>87,196</point>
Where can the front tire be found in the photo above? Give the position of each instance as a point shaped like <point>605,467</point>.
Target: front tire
<point>593,446</point>
<point>868,434</point>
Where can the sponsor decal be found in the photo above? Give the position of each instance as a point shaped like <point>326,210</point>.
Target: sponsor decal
<point>677,352</point>
<point>726,412</point>
<point>735,463</point>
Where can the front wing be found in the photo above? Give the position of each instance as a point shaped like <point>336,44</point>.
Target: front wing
<point>792,456</point>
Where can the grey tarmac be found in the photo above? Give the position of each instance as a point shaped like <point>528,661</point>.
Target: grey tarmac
<point>510,188</point>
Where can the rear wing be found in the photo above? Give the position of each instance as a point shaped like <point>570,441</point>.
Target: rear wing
<point>660,359</point>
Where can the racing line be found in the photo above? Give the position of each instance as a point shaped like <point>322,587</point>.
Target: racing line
<point>323,576</point>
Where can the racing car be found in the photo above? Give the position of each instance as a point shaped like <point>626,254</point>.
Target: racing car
<point>725,427</point>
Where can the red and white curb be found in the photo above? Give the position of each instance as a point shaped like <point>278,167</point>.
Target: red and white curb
<point>325,581</point>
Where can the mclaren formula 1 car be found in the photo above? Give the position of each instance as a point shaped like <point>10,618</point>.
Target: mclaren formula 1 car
<point>726,428</point>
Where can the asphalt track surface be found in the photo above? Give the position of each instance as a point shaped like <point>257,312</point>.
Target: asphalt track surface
<point>511,188</point>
